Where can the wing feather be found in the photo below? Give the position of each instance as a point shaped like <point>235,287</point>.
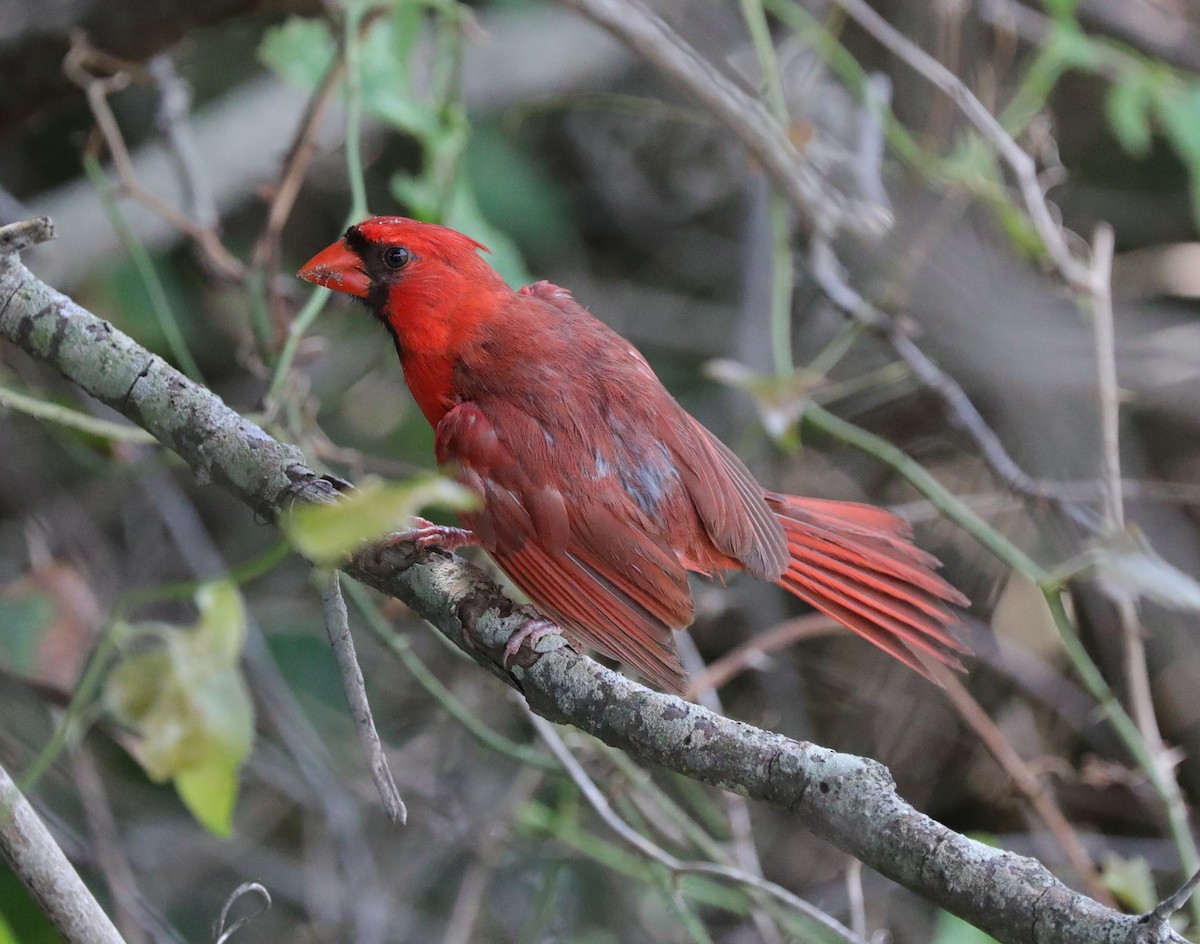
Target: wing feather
<point>590,563</point>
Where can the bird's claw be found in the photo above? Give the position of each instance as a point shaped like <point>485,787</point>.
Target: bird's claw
<point>533,630</point>
<point>427,534</point>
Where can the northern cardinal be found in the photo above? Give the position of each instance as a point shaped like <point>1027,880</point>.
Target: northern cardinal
<point>599,491</point>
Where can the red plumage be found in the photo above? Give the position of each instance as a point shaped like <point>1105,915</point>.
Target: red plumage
<point>599,491</point>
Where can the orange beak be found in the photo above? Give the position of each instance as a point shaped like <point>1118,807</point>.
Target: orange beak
<point>337,267</point>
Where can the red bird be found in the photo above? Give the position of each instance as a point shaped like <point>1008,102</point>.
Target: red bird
<point>599,491</point>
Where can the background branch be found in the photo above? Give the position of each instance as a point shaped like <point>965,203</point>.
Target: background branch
<point>41,865</point>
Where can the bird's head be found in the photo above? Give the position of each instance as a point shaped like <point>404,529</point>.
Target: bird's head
<point>408,272</point>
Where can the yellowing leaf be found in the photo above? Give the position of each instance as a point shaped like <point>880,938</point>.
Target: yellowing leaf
<point>326,533</point>
<point>188,705</point>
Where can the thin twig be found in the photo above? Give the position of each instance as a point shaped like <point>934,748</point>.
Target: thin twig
<point>750,653</point>
<point>854,893</point>
<point>1024,779</point>
<point>337,625</point>
<point>221,933</point>
<point>174,111</point>
<point>24,234</point>
<point>295,165</point>
<point>741,113</point>
<point>449,702</point>
<point>472,890</point>
<point>596,798</point>
<point>736,808</point>
<point>73,419</point>
<point>832,279</point>
<point>1106,375</point>
<point>338,808</point>
<point>1159,917</point>
<point>40,864</point>
<point>76,66</point>
<point>1023,167</point>
<point>102,825</point>
<point>1137,674</point>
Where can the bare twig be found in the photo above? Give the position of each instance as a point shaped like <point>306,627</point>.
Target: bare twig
<point>22,235</point>
<point>1137,675</point>
<point>831,277</point>
<point>221,933</point>
<point>295,165</point>
<point>1106,373</point>
<point>107,842</point>
<point>174,110</point>
<point>337,624</point>
<point>326,787</point>
<point>472,890</point>
<point>872,125</point>
<point>854,893</point>
<point>740,112</point>
<point>38,861</point>
<point>1074,272</point>
<point>597,800</point>
<point>1026,782</point>
<point>736,807</point>
<point>77,65</point>
<point>716,675</point>
<point>1157,920</point>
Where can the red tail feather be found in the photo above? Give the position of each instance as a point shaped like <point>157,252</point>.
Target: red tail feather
<point>855,563</point>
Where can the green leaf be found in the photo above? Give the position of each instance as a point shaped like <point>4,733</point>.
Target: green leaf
<point>299,50</point>
<point>1179,114</point>
<point>463,214</point>
<point>210,791</point>
<point>512,189</point>
<point>326,533</point>
<point>1061,10</point>
<point>6,933</point>
<point>25,617</point>
<point>187,703</point>
<point>1130,881</point>
<point>222,626</point>
<point>385,78</point>
<point>954,930</point>
<point>1129,105</point>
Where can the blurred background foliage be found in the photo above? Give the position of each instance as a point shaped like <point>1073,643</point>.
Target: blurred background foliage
<point>536,133</point>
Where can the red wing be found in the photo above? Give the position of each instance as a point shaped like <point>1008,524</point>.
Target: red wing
<point>587,561</point>
<point>731,504</point>
<point>728,503</point>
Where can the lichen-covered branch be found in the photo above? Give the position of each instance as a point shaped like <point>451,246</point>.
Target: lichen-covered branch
<point>849,801</point>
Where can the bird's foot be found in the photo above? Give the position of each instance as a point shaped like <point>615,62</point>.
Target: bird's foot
<point>537,627</point>
<point>427,534</point>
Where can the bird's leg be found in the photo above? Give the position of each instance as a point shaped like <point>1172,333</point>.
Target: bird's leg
<point>427,534</point>
<point>534,629</point>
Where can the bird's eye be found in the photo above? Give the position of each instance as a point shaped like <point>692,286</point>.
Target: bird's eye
<point>396,257</point>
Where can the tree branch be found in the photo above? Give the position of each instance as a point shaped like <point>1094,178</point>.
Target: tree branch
<point>849,801</point>
<point>38,861</point>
